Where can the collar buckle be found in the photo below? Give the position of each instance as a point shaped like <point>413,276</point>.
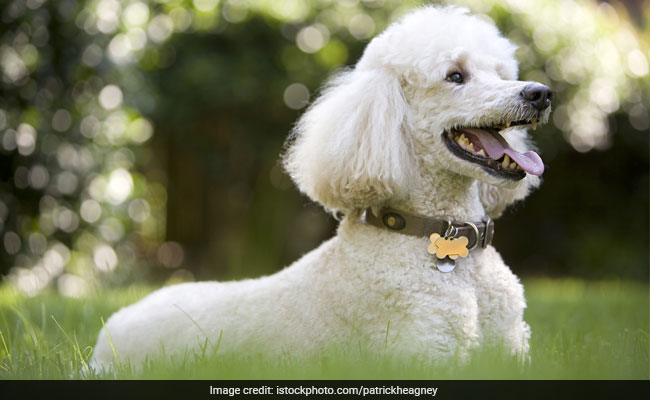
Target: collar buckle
<point>488,234</point>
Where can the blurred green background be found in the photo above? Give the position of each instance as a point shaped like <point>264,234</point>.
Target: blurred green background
<point>139,140</point>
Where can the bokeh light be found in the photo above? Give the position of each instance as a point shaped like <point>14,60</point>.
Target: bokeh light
<point>110,97</point>
<point>296,96</point>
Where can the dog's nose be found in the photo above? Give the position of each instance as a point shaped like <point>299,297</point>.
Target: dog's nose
<point>538,96</point>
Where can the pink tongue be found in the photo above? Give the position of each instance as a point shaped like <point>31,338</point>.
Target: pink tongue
<point>496,146</point>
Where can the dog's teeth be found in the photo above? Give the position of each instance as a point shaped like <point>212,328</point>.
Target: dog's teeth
<point>506,161</point>
<point>481,153</point>
<point>507,125</point>
<point>513,165</point>
<point>534,123</point>
<point>471,147</point>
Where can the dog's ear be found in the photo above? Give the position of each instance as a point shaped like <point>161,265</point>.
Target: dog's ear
<point>496,199</point>
<point>351,149</point>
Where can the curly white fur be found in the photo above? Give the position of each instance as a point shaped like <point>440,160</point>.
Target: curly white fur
<point>372,139</point>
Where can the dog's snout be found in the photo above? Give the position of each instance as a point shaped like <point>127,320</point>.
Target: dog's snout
<point>537,95</point>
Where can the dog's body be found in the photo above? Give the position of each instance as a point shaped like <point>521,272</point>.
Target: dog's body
<point>379,135</point>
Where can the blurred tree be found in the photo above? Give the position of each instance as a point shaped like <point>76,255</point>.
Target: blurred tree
<point>84,179</point>
<point>73,209</point>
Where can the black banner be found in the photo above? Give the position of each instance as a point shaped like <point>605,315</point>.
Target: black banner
<point>323,389</point>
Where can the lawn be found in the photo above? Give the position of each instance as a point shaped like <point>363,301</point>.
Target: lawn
<point>581,330</point>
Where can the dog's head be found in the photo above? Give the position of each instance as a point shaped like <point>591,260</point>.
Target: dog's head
<point>435,91</point>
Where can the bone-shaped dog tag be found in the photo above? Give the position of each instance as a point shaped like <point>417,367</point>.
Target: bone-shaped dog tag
<point>452,248</point>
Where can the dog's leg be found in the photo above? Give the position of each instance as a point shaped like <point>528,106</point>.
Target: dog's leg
<point>502,303</point>
<point>439,325</point>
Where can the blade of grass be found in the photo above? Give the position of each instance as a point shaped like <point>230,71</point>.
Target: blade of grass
<point>75,344</point>
<point>4,344</point>
<point>110,343</point>
<point>191,319</point>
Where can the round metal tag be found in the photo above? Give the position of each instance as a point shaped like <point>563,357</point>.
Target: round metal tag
<point>446,265</point>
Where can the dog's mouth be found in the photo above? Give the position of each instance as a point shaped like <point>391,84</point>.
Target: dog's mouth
<point>486,147</point>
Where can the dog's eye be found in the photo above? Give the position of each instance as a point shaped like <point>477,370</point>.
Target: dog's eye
<point>455,77</point>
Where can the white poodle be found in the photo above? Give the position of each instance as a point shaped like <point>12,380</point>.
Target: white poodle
<point>428,127</point>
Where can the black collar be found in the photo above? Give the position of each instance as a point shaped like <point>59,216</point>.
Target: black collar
<point>477,234</point>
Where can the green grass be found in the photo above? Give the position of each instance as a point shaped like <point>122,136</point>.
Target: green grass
<point>581,330</point>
